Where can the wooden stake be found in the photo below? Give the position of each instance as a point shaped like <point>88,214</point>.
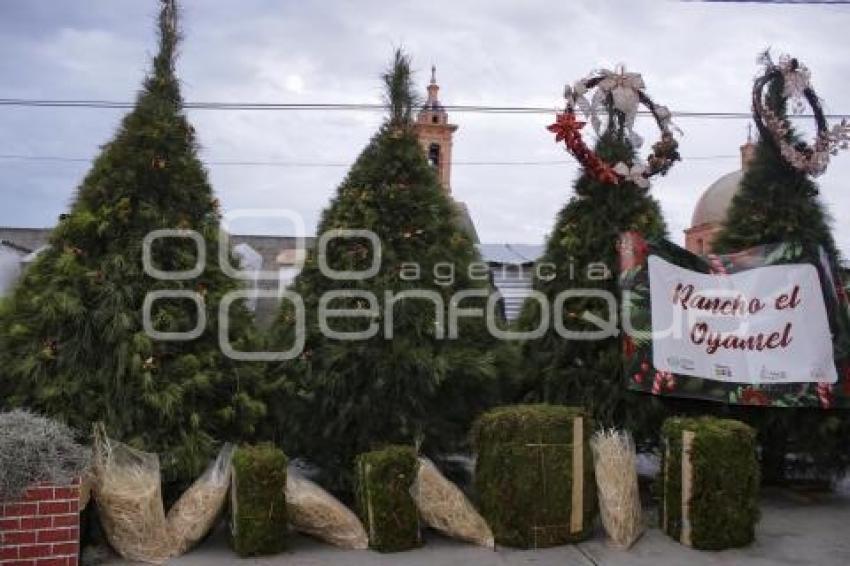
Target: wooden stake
<point>577,512</point>
<point>687,485</point>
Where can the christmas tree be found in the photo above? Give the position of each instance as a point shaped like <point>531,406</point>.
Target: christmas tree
<point>581,255</point>
<point>418,384</point>
<point>72,338</point>
<point>775,203</point>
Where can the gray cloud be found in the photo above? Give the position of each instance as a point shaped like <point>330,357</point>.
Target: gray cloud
<point>693,56</point>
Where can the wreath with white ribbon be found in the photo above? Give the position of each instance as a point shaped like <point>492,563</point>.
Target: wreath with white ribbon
<point>619,95</point>
<point>813,158</point>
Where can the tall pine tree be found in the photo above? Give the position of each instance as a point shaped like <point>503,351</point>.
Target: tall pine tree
<point>413,386</point>
<point>778,203</point>
<point>72,342</point>
<point>581,254</point>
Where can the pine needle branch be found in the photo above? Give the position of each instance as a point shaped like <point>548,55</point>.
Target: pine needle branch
<point>399,96</point>
<point>164,81</point>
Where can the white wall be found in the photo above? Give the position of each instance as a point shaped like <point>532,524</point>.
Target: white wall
<point>10,269</point>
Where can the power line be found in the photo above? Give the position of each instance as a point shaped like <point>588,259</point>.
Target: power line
<point>273,106</point>
<point>326,164</point>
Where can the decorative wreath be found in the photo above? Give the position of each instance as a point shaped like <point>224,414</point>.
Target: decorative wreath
<point>796,87</point>
<point>620,93</point>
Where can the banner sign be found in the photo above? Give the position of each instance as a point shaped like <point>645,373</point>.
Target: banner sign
<point>765,326</point>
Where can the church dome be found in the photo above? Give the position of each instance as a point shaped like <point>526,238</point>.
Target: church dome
<point>714,202</point>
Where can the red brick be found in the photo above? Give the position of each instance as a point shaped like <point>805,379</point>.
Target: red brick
<point>20,509</point>
<point>65,549</point>
<point>55,508</point>
<point>8,553</point>
<point>72,520</point>
<point>74,560</point>
<point>36,551</point>
<point>18,537</point>
<point>35,523</point>
<point>20,563</point>
<point>66,493</point>
<point>57,535</point>
<point>52,562</point>
<point>9,525</point>
<point>39,494</point>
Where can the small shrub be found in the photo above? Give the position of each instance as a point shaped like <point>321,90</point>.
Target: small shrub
<point>34,449</point>
<point>723,508</point>
<point>258,521</point>
<point>524,475</point>
<point>387,508</point>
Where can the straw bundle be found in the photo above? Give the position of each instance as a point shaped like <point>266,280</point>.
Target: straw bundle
<point>192,517</point>
<point>130,504</point>
<point>315,512</point>
<point>617,485</point>
<point>86,485</point>
<point>444,507</point>
<point>194,514</point>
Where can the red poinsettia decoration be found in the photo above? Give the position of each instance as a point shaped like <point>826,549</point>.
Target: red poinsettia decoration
<point>752,396</point>
<point>568,129</point>
<point>663,381</point>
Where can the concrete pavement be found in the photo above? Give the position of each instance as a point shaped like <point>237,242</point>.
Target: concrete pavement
<point>796,529</point>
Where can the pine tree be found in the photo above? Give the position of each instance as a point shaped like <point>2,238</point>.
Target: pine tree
<point>72,342</point>
<point>353,396</point>
<point>777,203</point>
<point>582,247</point>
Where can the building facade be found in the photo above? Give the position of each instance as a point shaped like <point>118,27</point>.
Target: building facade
<point>710,211</point>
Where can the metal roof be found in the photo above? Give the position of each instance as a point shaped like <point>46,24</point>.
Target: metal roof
<point>513,254</point>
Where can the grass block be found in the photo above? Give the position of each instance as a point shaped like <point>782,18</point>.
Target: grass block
<point>535,490</point>
<point>724,486</point>
<point>258,510</point>
<point>384,479</point>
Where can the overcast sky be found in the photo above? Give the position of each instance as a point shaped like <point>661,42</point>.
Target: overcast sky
<point>693,56</point>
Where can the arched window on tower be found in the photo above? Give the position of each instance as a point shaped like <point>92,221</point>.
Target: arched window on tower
<point>434,155</point>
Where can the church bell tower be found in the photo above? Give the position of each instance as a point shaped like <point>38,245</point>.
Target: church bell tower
<point>435,133</point>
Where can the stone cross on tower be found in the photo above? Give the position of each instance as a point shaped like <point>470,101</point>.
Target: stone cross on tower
<point>435,133</point>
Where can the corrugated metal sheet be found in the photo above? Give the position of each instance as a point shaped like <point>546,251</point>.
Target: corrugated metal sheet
<point>512,267</point>
<point>513,254</point>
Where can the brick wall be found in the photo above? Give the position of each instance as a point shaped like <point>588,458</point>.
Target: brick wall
<point>42,528</point>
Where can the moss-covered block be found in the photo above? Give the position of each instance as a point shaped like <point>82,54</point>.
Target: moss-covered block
<point>723,509</point>
<point>384,479</point>
<point>258,510</point>
<point>524,475</point>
